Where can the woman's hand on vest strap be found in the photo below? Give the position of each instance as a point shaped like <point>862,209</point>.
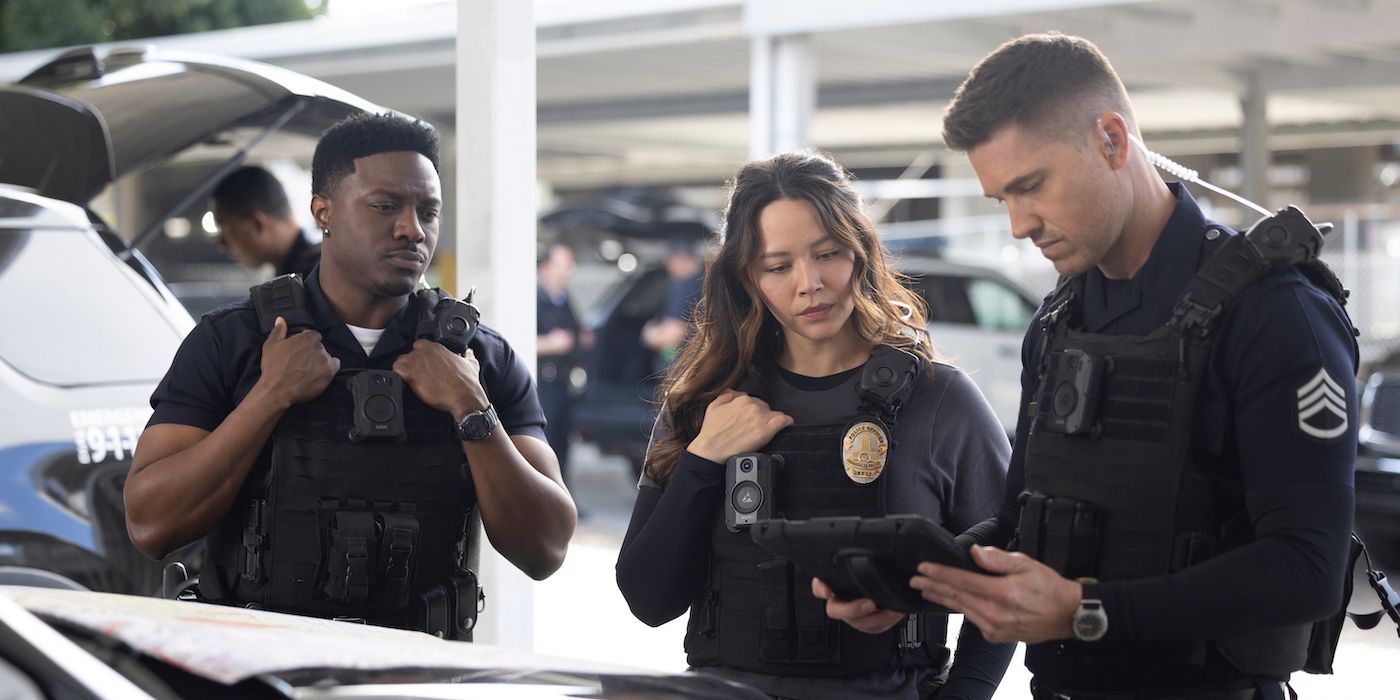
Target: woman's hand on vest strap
<point>735,423</point>
<point>297,368</point>
<point>860,614</point>
<point>1027,602</point>
<point>446,381</point>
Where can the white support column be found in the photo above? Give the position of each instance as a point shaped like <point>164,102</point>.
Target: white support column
<point>1254,141</point>
<point>782,93</point>
<point>495,197</point>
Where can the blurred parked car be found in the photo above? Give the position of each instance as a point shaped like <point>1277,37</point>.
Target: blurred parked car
<point>75,645</point>
<point>90,325</point>
<point>1378,464</point>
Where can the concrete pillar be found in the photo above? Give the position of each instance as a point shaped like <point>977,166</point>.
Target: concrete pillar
<point>782,94</point>
<point>1254,142</point>
<point>495,246</point>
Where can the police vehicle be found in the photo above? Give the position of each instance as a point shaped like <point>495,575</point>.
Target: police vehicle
<point>1378,464</point>
<point>90,327</point>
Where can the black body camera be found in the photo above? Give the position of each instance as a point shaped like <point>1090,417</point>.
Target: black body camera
<point>1071,400</point>
<point>378,398</point>
<point>750,481</point>
<point>283,296</point>
<point>447,320</point>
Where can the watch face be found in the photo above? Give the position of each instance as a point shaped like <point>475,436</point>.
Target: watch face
<point>477,426</point>
<point>1089,624</point>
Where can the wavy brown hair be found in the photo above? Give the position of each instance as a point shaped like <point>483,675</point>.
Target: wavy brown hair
<point>734,336</point>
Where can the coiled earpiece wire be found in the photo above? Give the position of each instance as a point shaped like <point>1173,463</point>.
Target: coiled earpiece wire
<point>1170,166</point>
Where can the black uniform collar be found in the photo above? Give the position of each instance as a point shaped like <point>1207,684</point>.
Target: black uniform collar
<point>300,245</point>
<point>1173,260</point>
<point>397,335</point>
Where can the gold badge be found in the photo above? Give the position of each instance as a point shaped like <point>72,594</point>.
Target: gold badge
<point>863,451</point>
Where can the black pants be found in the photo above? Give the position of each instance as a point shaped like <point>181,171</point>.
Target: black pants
<point>559,421</point>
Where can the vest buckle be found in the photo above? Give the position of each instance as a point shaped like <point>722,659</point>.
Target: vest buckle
<point>1192,316</point>
<point>911,634</point>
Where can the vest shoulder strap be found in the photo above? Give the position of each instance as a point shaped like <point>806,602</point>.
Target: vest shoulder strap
<point>284,296</point>
<point>446,319</point>
<point>887,380</point>
<point>1064,302</point>
<point>1285,239</point>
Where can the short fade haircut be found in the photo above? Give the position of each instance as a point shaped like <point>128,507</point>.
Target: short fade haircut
<point>251,189</point>
<point>363,135</point>
<point>1048,83</point>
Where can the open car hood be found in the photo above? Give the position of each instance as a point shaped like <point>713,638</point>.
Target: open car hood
<point>310,658</point>
<point>91,116</point>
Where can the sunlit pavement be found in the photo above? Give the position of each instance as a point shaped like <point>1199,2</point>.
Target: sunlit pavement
<point>579,612</point>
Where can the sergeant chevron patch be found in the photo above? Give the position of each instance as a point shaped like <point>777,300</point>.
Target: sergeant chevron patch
<point>1322,407</point>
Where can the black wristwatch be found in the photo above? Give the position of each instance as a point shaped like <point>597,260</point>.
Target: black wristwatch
<point>1090,622</point>
<point>477,425</point>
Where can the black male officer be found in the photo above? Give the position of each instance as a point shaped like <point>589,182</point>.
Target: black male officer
<point>1181,485</point>
<point>251,443</point>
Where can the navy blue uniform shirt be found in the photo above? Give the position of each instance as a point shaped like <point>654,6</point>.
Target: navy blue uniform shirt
<point>220,361</point>
<point>1252,418</point>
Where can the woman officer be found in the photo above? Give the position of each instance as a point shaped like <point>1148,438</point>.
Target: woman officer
<point>798,298</point>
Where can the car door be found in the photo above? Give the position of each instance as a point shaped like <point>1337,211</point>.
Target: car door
<point>976,323</point>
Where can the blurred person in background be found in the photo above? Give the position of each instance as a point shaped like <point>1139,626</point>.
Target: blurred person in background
<point>798,300</point>
<point>685,274</point>
<point>256,226</point>
<point>556,346</point>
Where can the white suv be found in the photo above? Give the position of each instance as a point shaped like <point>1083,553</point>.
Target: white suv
<point>977,319</point>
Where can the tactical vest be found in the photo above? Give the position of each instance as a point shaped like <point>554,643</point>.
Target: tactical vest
<point>757,612</point>
<point>372,530</point>
<point>1113,490</point>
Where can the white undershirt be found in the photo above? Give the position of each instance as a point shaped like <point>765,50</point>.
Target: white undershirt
<point>368,337</point>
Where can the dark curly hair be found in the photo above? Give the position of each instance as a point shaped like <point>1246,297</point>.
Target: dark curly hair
<point>365,135</point>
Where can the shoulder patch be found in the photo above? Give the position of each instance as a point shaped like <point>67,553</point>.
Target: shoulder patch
<point>1322,407</point>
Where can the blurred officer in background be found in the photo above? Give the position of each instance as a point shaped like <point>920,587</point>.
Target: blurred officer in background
<point>556,346</point>
<point>256,226</point>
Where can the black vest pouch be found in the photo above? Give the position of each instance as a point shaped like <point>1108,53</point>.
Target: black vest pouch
<point>350,554</point>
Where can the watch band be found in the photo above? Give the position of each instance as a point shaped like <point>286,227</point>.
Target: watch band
<point>477,425</point>
<point>1090,622</point>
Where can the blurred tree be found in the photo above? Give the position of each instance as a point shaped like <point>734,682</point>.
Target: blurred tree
<point>39,24</point>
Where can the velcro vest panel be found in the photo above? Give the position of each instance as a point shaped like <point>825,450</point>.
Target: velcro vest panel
<point>1124,499</point>
<point>350,529</point>
<point>331,527</point>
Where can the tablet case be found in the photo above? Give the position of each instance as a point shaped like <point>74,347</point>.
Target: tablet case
<point>866,557</point>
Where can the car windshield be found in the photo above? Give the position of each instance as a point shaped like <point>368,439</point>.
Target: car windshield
<point>100,323</point>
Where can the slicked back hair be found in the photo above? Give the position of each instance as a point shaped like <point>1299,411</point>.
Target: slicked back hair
<point>250,189</point>
<point>1050,83</point>
<point>363,135</point>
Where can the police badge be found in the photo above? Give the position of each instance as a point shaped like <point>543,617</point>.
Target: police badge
<point>864,448</point>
